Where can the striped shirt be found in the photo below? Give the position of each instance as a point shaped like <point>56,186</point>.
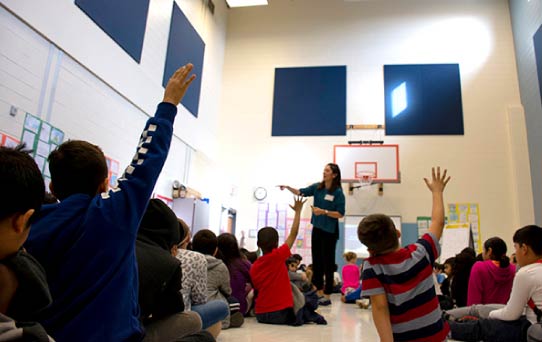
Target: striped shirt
<point>406,277</point>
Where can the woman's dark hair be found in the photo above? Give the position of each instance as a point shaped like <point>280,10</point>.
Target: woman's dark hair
<point>498,250</point>
<point>336,183</point>
<point>229,249</point>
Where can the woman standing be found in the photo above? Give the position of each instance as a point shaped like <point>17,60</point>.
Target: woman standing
<point>328,208</point>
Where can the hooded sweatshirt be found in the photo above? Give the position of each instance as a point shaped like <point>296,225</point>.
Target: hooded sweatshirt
<point>489,283</point>
<point>86,245</point>
<point>160,276</point>
<point>218,283</point>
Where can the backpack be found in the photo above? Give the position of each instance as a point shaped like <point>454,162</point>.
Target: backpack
<point>534,333</point>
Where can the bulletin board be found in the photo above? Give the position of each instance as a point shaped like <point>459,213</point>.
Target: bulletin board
<point>302,244</point>
<point>42,138</point>
<point>467,213</point>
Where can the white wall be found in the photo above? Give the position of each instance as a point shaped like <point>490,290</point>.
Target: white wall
<point>86,85</point>
<point>364,36</point>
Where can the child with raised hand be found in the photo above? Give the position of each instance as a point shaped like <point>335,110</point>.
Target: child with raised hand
<point>23,286</point>
<point>274,299</point>
<point>399,280</point>
<point>86,243</point>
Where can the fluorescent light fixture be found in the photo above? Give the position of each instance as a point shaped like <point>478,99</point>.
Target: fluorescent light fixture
<point>399,100</point>
<point>245,3</point>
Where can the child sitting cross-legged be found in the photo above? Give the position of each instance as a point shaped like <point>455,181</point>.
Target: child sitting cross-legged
<point>274,297</point>
<point>218,277</point>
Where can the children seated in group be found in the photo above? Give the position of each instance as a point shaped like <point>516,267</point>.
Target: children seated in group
<point>274,298</point>
<point>23,287</point>
<point>194,286</point>
<point>160,278</point>
<point>491,280</point>
<point>511,322</point>
<point>399,280</point>
<point>86,243</point>
<point>299,279</point>
<point>218,277</point>
<point>239,270</point>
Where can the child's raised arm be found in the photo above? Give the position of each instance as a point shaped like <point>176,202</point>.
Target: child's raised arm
<point>298,205</point>
<point>437,186</point>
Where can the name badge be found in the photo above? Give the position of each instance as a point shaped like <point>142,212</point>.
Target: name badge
<point>329,197</point>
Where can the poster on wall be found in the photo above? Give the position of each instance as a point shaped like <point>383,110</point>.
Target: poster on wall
<point>42,138</point>
<point>467,213</point>
<point>302,244</point>
<point>113,171</point>
<point>7,140</point>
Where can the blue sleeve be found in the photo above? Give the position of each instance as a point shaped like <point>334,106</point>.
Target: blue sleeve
<point>127,203</point>
<point>309,191</point>
<point>340,201</point>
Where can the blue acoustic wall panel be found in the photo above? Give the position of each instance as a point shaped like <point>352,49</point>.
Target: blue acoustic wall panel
<point>309,101</point>
<point>423,99</point>
<point>123,20</point>
<point>184,46</point>
<point>538,56</point>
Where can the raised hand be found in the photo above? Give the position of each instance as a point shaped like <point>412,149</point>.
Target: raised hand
<point>438,182</point>
<point>178,84</point>
<point>298,203</point>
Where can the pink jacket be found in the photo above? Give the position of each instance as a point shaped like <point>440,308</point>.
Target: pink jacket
<point>350,276</point>
<point>489,283</point>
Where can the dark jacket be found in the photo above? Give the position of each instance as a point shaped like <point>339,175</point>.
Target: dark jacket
<point>160,277</point>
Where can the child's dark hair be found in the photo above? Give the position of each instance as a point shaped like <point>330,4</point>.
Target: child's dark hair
<point>336,183</point>
<point>229,248</point>
<point>531,236</point>
<point>439,267</point>
<point>450,261</point>
<point>378,233</point>
<point>297,257</point>
<point>205,242</point>
<point>21,182</point>
<point>498,250</point>
<point>268,238</point>
<point>77,167</point>
<point>291,261</point>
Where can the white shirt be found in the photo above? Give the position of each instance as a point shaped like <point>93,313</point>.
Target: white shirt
<point>527,284</point>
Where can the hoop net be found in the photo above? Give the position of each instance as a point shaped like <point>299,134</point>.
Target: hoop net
<point>365,178</point>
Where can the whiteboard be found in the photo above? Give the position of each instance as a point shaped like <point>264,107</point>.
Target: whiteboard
<point>382,160</point>
<point>455,237</point>
<point>351,241</point>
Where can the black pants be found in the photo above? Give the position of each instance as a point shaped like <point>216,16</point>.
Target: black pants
<point>284,316</point>
<point>323,259</point>
<point>493,330</point>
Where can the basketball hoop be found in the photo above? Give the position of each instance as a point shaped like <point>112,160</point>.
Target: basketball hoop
<point>365,179</point>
